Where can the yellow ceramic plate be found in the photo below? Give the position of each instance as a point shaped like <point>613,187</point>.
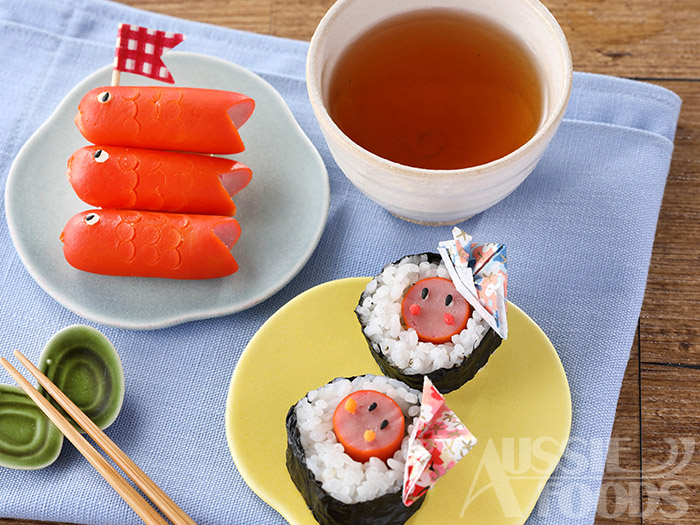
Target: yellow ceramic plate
<point>518,406</point>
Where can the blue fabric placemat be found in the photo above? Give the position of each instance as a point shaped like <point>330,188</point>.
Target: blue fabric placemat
<point>579,233</point>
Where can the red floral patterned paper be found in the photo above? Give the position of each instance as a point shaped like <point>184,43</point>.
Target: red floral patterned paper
<point>480,274</point>
<point>438,441</point>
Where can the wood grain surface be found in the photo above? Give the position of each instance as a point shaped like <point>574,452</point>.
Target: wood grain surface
<point>652,472</point>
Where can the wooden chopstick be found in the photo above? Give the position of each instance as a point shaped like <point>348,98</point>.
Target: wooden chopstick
<point>118,483</point>
<point>174,513</point>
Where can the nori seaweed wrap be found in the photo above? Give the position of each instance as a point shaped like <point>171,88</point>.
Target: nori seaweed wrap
<point>385,509</point>
<point>445,378</point>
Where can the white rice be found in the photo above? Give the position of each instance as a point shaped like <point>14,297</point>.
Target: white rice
<point>380,313</point>
<point>341,476</point>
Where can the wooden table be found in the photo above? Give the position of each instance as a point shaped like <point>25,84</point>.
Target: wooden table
<point>658,414</point>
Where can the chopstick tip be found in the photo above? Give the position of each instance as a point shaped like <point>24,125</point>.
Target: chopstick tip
<point>10,369</point>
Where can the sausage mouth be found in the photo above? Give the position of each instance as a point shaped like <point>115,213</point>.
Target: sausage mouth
<point>241,111</point>
<point>236,179</point>
<point>228,232</point>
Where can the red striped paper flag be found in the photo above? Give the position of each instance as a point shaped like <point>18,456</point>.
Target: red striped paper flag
<point>139,50</point>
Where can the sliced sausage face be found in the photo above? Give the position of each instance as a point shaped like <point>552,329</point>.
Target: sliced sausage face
<point>368,423</point>
<point>435,310</point>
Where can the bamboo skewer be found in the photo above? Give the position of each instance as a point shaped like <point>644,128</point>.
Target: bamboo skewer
<point>174,513</point>
<point>116,75</point>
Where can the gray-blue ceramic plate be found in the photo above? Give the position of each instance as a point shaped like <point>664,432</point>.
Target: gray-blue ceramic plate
<point>282,211</point>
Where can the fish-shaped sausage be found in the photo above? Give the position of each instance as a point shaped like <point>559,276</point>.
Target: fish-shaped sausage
<point>152,180</point>
<point>169,118</point>
<point>151,244</point>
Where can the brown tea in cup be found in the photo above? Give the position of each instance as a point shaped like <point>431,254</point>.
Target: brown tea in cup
<point>436,89</point>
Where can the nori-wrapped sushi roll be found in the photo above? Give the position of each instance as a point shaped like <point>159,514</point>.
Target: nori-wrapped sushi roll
<point>367,493</point>
<point>397,348</point>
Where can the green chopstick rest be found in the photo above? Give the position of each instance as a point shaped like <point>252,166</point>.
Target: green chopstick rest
<point>84,364</point>
<point>28,440</point>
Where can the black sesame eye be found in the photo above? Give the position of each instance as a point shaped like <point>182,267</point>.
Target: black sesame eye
<point>424,293</point>
<point>448,300</point>
<point>384,424</point>
<point>372,406</point>
<point>104,97</point>
<point>91,218</point>
<point>101,155</point>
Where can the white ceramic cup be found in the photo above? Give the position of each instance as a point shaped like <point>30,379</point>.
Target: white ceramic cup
<point>440,196</point>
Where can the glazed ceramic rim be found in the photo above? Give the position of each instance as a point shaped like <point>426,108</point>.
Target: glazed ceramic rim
<point>543,133</point>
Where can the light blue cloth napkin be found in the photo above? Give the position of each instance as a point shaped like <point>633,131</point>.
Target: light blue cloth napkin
<point>579,233</point>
